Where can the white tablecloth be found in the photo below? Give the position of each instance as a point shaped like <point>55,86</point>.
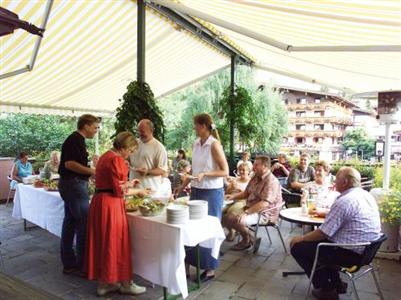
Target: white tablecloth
<point>43,208</point>
<point>158,247</point>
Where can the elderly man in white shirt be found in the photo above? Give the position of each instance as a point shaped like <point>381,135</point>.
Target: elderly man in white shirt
<point>353,218</point>
<point>149,161</point>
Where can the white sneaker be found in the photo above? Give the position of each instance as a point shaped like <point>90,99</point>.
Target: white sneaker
<point>105,289</point>
<point>132,289</point>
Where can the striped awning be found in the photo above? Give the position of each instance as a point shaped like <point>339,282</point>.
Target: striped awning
<point>328,42</point>
<point>88,53</point>
<point>88,56</point>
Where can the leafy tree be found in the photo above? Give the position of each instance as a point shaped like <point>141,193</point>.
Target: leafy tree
<point>242,114</point>
<point>359,142</point>
<point>39,135</point>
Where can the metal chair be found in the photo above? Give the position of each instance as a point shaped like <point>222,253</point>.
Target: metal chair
<point>367,184</point>
<point>255,228</point>
<point>290,199</point>
<point>354,272</point>
<point>10,190</point>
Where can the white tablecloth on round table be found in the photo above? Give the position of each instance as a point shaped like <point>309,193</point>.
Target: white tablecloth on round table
<point>41,207</point>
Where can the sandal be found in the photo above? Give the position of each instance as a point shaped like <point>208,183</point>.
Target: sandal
<point>231,235</point>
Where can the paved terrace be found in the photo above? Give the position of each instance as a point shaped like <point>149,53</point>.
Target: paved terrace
<point>33,256</point>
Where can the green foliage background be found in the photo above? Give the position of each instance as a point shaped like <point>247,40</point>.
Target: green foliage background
<point>260,113</point>
<point>38,135</point>
<point>358,140</point>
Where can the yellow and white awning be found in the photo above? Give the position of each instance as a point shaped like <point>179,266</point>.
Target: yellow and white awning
<point>88,54</point>
<point>330,42</point>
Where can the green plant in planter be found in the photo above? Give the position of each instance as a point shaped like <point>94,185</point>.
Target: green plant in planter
<point>390,208</point>
<point>241,109</point>
<point>138,103</point>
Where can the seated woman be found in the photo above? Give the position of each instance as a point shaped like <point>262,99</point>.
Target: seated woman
<point>237,185</point>
<point>245,159</point>
<point>22,168</point>
<point>51,166</point>
<point>281,169</point>
<point>180,156</point>
<point>183,169</point>
<point>322,186</point>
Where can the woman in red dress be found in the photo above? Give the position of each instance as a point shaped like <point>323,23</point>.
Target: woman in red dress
<point>108,240</point>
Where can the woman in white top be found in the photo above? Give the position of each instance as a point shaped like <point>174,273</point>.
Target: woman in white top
<point>209,167</point>
<point>321,187</point>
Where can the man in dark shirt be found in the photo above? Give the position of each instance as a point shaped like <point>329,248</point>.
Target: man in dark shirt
<point>281,169</point>
<point>73,185</point>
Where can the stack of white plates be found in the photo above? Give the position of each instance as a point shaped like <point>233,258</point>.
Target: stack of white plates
<point>177,214</point>
<point>197,209</point>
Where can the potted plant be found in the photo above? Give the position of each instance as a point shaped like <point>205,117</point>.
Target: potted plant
<point>390,216</point>
<point>138,103</point>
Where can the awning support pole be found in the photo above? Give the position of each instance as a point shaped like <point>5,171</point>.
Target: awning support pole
<point>387,161</point>
<point>141,41</point>
<point>232,92</point>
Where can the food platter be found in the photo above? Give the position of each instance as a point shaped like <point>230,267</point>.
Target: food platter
<point>132,203</point>
<point>48,185</point>
<point>150,208</point>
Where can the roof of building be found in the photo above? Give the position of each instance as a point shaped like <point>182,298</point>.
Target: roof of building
<point>319,93</point>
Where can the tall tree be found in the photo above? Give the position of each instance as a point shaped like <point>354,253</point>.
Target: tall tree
<point>359,142</point>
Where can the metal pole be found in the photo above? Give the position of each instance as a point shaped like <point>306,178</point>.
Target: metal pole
<point>141,41</point>
<point>387,162</point>
<point>39,40</point>
<point>232,91</point>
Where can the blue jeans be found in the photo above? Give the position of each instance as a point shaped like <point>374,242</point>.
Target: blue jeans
<point>215,199</point>
<point>74,192</point>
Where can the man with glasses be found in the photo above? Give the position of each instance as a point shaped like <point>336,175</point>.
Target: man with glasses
<point>73,186</point>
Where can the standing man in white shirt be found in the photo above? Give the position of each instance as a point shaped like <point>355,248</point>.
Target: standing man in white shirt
<point>149,162</point>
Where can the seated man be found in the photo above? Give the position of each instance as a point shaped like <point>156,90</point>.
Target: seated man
<point>301,175</point>
<point>263,192</point>
<point>353,218</point>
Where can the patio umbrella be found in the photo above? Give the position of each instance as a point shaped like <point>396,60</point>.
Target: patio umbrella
<point>9,21</point>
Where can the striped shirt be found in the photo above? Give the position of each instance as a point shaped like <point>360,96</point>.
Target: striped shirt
<point>353,218</point>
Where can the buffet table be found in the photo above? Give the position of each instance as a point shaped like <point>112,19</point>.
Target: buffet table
<point>158,248</point>
<point>38,206</point>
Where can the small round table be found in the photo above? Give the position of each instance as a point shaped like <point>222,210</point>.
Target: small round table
<point>295,215</point>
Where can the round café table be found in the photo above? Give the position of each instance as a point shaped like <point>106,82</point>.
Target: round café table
<point>295,215</point>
